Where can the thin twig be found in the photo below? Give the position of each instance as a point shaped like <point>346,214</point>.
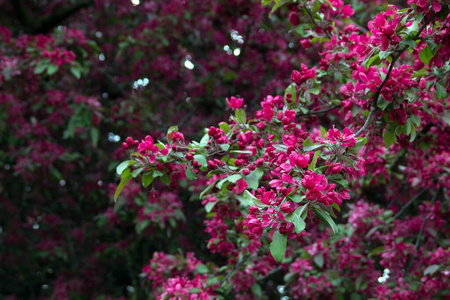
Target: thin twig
<point>315,23</point>
<point>320,111</point>
<point>235,267</point>
<point>409,203</point>
<point>368,121</point>
<point>416,246</point>
<point>388,74</point>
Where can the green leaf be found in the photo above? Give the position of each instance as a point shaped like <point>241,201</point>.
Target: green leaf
<point>299,223</point>
<point>389,137</point>
<point>136,172</point>
<point>412,29</point>
<point>342,182</point>
<point>314,91</point>
<point>41,67</point>
<point>157,173</point>
<point>224,126</point>
<point>318,260</point>
<point>123,165</point>
<point>204,140</point>
<point>291,90</point>
<point>147,179</point>
<point>52,69</point>
<point>446,116</point>
<point>95,133</point>
<point>409,43</point>
<point>324,216</point>
<point>202,269</point>
<point>313,147</point>
<point>374,60</point>
<point>121,185</point>
<point>208,188</point>
<point>312,165</point>
<point>308,142</point>
<point>431,269</point>
<point>359,145</point>
<point>336,206</point>
<point>209,206</point>
<point>384,54</point>
<point>441,92</point>
<point>241,116</point>
<point>248,198</point>
<point>201,160</point>
<point>383,103</point>
<point>224,147</point>
<point>278,245</point>
<point>278,4</point>
<point>415,120</point>
<point>257,290</point>
<point>221,183</point>
<point>142,225</point>
<point>297,198</point>
<point>426,55</point>
<point>190,175</point>
<point>75,72</point>
<point>253,178</point>
<point>413,134</point>
<point>194,290</point>
<point>234,178</point>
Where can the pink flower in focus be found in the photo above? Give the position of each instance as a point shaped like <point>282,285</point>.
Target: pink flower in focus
<point>235,103</point>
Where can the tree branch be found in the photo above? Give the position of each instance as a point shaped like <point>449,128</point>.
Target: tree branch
<point>409,203</point>
<point>43,25</point>
<point>374,107</point>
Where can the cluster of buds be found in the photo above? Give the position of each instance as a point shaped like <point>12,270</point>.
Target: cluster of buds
<point>259,218</point>
<point>218,135</point>
<point>130,143</point>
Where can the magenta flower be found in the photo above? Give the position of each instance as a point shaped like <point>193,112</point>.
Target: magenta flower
<point>235,103</point>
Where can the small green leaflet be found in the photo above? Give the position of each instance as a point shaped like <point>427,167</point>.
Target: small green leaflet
<point>314,161</point>
<point>278,4</point>
<point>209,206</point>
<point>291,90</point>
<point>201,160</point>
<point>241,116</point>
<point>426,55</point>
<point>147,179</point>
<point>278,245</point>
<point>190,175</point>
<point>253,178</point>
<point>52,69</point>
<point>123,165</point>
<point>121,185</point>
<point>441,92</point>
<point>389,137</point>
<point>324,216</point>
<point>208,189</point>
<point>95,132</point>
<point>318,259</point>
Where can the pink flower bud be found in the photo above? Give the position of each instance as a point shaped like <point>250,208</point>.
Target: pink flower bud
<point>286,207</point>
<point>294,19</point>
<point>235,103</point>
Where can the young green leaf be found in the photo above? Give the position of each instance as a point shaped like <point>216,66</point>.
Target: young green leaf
<point>121,185</point>
<point>278,245</point>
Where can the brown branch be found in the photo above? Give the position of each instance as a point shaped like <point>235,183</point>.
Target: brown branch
<point>44,25</point>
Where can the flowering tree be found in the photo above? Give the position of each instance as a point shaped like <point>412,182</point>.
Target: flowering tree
<point>329,179</point>
<point>274,175</point>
